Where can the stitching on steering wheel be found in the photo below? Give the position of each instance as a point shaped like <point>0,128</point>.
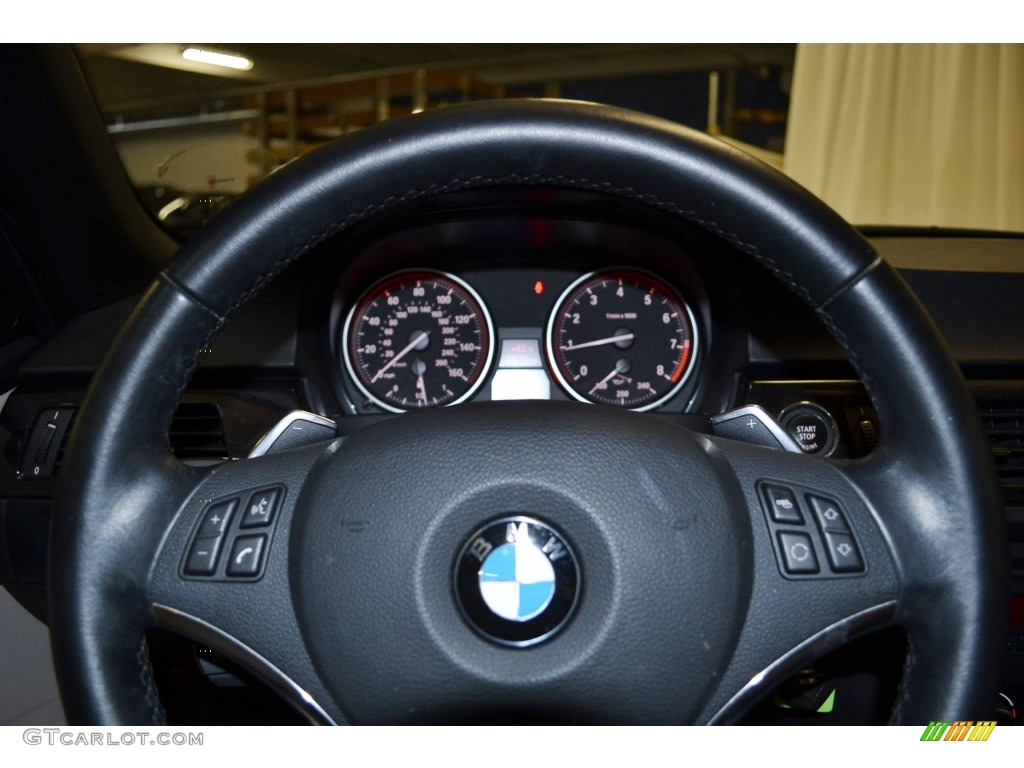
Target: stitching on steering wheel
<point>210,336</point>
<point>484,181</point>
<point>840,337</point>
<point>901,693</point>
<point>170,280</point>
<point>156,709</point>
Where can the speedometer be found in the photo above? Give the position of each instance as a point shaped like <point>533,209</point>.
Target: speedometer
<point>418,339</point>
<point>622,338</point>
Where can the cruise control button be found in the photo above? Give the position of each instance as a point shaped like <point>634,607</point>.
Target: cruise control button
<point>202,557</point>
<point>829,514</point>
<point>261,508</point>
<point>216,519</point>
<point>246,556</point>
<point>843,553</point>
<point>782,506</point>
<point>797,553</point>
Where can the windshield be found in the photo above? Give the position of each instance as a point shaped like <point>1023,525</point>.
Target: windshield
<point>892,135</point>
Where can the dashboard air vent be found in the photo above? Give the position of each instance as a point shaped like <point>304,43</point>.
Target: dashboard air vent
<point>197,432</point>
<point>1004,425</point>
<point>1003,421</point>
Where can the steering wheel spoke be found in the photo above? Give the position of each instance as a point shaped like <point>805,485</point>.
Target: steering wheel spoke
<point>823,570</point>
<point>222,578</point>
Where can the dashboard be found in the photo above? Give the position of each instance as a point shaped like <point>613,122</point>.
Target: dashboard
<point>498,295</point>
<point>568,296</point>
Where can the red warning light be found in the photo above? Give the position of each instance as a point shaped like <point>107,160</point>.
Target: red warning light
<point>538,287</point>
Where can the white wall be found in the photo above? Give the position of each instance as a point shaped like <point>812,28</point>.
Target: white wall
<point>924,135</point>
<point>198,158</point>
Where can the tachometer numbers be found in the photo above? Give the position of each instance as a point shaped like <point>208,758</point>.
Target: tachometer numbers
<point>621,338</point>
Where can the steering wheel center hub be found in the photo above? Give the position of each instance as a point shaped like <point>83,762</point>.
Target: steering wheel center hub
<point>504,571</point>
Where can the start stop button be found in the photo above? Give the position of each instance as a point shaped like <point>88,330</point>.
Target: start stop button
<point>812,427</point>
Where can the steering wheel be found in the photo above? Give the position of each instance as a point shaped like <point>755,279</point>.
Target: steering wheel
<point>676,586</point>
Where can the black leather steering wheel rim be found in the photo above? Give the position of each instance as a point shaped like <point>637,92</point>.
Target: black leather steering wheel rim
<point>948,537</point>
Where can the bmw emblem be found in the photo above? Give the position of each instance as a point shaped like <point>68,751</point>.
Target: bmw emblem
<point>517,581</point>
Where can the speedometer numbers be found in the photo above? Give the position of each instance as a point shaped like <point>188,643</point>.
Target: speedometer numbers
<point>418,339</point>
<point>621,338</point>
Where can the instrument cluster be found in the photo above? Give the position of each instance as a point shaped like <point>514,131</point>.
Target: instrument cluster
<point>420,338</point>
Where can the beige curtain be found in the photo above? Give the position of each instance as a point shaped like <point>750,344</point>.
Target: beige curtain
<point>916,134</point>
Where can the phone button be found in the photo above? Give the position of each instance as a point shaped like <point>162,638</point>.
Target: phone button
<point>246,558</point>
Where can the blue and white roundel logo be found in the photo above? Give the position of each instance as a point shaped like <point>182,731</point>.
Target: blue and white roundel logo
<point>517,581</point>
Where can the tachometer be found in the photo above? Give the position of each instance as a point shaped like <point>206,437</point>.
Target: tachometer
<point>621,338</point>
<point>418,339</point>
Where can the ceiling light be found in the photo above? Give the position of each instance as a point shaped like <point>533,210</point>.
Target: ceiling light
<point>232,61</point>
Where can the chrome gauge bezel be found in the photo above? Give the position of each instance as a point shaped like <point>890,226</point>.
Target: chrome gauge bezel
<point>556,310</point>
<point>350,369</point>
